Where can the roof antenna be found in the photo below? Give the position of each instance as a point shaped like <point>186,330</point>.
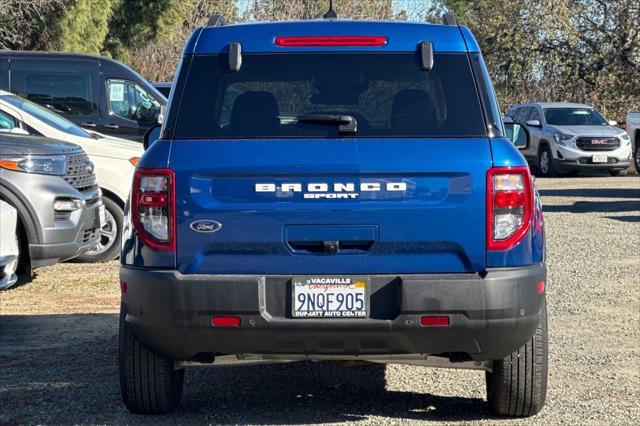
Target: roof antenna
<point>331,14</point>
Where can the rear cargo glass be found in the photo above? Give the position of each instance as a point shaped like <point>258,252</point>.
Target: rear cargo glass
<point>388,94</point>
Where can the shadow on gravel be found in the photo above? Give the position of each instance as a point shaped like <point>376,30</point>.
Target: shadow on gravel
<point>593,192</point>
<point>593,207</point>
<point>62,369</point>
<point>631,219</point>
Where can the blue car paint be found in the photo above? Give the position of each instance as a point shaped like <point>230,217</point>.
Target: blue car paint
<point>415,234</point>
<point>259,37</point>
<point>455,245</point>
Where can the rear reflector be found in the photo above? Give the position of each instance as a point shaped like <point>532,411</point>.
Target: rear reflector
<point>225,321</point>
<point>540,287</point>
<point>306,41</point>
<point>434,321</point>
<point>124,288</point>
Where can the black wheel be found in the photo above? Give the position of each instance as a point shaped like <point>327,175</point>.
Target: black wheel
<point>618,172</point>
<point>109,246</point>
<point>149,384</point>
<point>545,162</point>
<point>517,386</point>
<point>24,270</point>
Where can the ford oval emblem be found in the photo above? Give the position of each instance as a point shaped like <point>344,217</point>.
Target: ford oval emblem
<point>205,225</point>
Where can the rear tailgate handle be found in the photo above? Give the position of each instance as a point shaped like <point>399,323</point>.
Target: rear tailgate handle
<point>331,246</point>
<point>330,239</point>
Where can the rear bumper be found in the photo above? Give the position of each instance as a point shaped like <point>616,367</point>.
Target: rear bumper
<point>490,316</point>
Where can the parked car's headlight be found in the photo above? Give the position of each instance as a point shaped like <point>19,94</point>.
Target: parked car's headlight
<point>39,164</point>
<point>561,138</point>
<point>625,138</point>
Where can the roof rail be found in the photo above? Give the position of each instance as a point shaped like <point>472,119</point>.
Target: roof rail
<point>216,20</point>
<point>449,19</point>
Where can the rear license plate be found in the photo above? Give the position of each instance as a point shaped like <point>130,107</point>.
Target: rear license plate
<point>599,158</point>
<point>330,297</point>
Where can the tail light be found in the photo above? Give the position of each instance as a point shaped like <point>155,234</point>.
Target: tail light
<point>153,208</point>
<point>509,206</point>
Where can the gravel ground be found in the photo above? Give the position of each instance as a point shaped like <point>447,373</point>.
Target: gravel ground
<point>58,338</point>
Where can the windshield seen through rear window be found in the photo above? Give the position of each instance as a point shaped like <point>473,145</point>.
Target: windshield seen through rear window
<point>574,117</point>
<point>318,95</point>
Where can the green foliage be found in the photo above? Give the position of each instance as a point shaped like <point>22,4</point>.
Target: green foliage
<point>558,50</point>
<point>566,50</point>
<point>136,23</point>
<point>276,10</point>
<point>83,26</point>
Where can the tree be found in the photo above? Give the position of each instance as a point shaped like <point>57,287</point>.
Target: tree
<point>277,10</point>
<point>558,50</point>
<point>81,26</point>
<point>22,21</point>
<point>158,59</point>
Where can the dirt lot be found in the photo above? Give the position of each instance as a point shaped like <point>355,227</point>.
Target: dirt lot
<point>58,343</point>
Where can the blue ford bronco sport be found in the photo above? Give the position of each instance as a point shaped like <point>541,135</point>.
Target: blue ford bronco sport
<point>333,190</point>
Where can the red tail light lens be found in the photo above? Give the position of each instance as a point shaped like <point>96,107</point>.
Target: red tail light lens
<point>434,321</point>
<point>509,206</point>
<point>309,41</point>
<point>225,321</point>
<point>153,208</point>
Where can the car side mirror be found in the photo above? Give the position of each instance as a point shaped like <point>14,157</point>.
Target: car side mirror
<point>151,135</point>
<point>517,134</point>
<point>613,123</point>
<point>533,123</point>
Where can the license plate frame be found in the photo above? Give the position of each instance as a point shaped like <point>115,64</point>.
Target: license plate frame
<point>326,290</point>
<point>599,158</point>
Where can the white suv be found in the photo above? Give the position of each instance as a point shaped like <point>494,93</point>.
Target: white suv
<point>633,129</point>
<point>568,137</point>
<point>114,159</point>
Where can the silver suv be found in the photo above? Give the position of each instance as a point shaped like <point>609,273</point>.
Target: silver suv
<point>53,187</point>
<point>567,137</point>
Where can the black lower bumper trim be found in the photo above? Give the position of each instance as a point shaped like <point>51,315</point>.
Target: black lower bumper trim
<point>576,165</point>
<point>490,315</point>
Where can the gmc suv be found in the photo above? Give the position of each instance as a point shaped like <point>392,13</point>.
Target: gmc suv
<point>566,138</point>
<point>333,190</point>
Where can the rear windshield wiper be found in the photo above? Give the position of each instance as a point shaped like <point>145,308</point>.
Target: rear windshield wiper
<point>348,124</point>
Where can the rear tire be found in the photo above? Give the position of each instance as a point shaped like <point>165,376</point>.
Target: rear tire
<point>545,162</point>
<point>24,269</point>
<point>622,172</point>
<point>149,384</point>
<point>517,386</point>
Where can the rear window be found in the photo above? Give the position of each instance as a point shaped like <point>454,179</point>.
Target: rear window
<point>387,94</point>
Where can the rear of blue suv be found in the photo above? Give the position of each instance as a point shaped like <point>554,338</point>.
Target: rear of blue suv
<point>333,190</point>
